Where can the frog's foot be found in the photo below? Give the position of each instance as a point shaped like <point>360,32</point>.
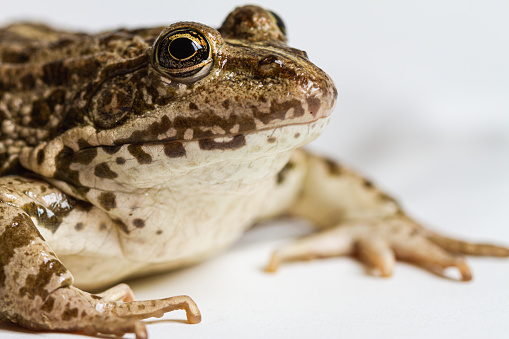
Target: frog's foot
<point>93,314</point>
<point>378,243</point>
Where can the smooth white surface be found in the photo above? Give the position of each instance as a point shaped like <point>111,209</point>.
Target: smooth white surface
<point>423,110</point>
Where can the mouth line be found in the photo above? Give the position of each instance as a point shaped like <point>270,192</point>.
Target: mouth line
<point>228,137</point>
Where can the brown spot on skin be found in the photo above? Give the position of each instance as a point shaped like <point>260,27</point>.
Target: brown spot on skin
<point>40,156</point>
<point>333,167</point>
<point>28,81</point>
<point>41,112</point>
<point>297,135</point>
<point>209,144</point>
<point>111,149</point>
<point>107,200</point>
<point>103,171</point>
<point>193,106</point>
<point>139,223</point>
<point>367,183</point>
<point>271,139</point>
<point>120,160</point>
<point>102,227</point>
<point>85,156</point>
<point>79,226</point>
<point>141,307</point>
<point>20,232</point>
<point>174,150</point>
<point>82,143</point>
<point>57,97</point>
<point>55,73</point>
<point>278,111</point>
<point>50,218</point>
<point>141,156</point>
<point>68,313</point>
<point>64,160</point>
<point>158,232</point>
<point>48,304</point>
<point>35,284</point>
<point>313,105</point>
<point>121,225</point>
<point>284,171</point>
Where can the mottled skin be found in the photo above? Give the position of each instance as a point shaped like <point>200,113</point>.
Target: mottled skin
<point>116,163</point>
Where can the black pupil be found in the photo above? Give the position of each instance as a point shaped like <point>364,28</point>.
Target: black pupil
<point>183,48</point>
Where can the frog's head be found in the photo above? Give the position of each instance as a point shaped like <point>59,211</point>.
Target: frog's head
<point>202,95</point>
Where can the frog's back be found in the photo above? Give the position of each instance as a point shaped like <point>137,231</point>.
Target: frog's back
<point>47,77</point>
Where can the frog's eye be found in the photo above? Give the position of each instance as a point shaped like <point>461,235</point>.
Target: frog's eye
<point>183,54</point>
<point>280,23</point>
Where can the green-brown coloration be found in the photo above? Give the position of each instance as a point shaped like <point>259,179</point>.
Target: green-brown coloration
<point>50,217</point>
<point>18,233</point>
<point>36,284</point>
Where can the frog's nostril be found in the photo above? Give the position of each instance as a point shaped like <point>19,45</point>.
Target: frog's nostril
<point>270,63</point>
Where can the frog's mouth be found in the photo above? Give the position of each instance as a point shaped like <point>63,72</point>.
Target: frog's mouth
<point>298,132</point>
<point>138,165</point>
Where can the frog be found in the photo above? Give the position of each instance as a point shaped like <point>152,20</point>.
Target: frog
<point>136,151</point>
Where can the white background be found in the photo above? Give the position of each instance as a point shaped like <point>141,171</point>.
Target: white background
<point>423,110</point>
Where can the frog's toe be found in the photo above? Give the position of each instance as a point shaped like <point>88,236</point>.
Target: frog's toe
<point>378,243</point>
<point>376,253</point>
<point>464,247</point>
<point>423,252</point>
<point>120,292</point>
<point>330,243</point>
<point>157,308</point>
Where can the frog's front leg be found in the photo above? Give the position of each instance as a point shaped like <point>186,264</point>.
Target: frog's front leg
<point>36,289</point>
<point>361,220</point>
